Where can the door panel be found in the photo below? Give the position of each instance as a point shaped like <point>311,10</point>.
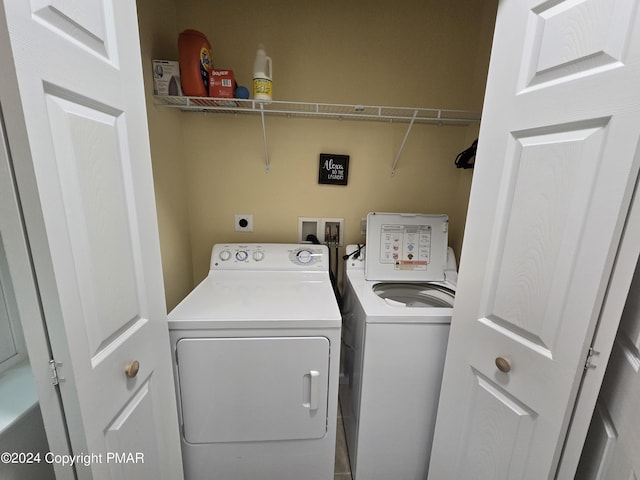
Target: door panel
<point>629,333</point>
<point>599,447</point>
<point>84,22</point>
<point>127,432</point>
<point>569,39</point>
<point>556,166</point>
<point>494,413</point>
<point>96,195</point>
<point>549,178</point>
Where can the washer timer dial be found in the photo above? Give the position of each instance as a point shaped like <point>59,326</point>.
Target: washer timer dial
<point>304,256</point>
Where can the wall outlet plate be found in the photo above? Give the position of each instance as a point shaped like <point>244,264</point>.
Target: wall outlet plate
<point>244,222</point>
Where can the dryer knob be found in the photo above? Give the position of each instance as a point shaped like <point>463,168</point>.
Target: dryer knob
<point>225,255</point>
<point>304,256</point>
<point>258,255</point>
<point>242,255</point>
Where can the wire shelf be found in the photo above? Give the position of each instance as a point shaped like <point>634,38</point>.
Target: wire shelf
<point>321,110</point>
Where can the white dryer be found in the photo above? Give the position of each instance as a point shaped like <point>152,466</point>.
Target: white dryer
<point>256,350</point>
<point>398,302</point>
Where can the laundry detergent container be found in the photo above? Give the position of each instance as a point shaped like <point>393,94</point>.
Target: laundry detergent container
<point>195,63</point>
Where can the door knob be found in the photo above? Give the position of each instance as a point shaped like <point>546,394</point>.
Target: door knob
<point>503,364</point>
<point>132,369</point>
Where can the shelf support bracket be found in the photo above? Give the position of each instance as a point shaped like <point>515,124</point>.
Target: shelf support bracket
<point>404,140</point>
<point>264,136</point>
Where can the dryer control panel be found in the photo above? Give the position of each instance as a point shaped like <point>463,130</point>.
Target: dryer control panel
<point>269,257</point>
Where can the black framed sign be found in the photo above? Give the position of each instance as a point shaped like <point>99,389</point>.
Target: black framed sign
<point>333,169</point>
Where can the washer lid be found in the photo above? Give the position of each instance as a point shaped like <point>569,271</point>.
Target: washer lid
<point>415,295</point>
<point>406,247</point>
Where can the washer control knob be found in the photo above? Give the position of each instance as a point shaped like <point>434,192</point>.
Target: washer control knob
<point>304,256</point>
<point>225,255</point>
<point>258,255</point>
<point>242,255</point>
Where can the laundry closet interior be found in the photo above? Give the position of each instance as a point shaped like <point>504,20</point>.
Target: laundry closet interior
<point>208,167</point>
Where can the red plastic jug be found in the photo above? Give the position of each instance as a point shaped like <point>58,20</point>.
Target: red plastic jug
<point>195,63</point>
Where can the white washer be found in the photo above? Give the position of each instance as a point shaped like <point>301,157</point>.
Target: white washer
<point>256,349</point>
<point>398,302</point>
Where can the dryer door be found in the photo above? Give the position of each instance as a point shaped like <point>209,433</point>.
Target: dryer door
<point>253,389</point>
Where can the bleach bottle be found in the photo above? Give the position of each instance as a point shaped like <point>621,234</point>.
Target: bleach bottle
<point>262,76</point>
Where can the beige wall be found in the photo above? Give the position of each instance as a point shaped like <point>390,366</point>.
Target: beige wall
<point>420,53</point>
<point>158,33</point>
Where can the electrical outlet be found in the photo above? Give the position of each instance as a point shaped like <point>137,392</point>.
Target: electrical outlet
<point>244,222</point>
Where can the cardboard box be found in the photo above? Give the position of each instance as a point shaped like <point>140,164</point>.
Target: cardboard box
<point>166,78</point>
<point>222,84</point>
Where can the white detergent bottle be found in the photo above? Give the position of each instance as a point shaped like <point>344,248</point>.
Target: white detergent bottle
<point>262,76</point>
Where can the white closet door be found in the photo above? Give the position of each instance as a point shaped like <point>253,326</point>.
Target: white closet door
<point>76,123</point>
<point>556,166</point>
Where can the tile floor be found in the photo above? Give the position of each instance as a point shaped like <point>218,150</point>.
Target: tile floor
<point>342,470</point>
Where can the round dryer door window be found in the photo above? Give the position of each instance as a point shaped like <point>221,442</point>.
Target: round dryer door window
<point>415,295</point>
